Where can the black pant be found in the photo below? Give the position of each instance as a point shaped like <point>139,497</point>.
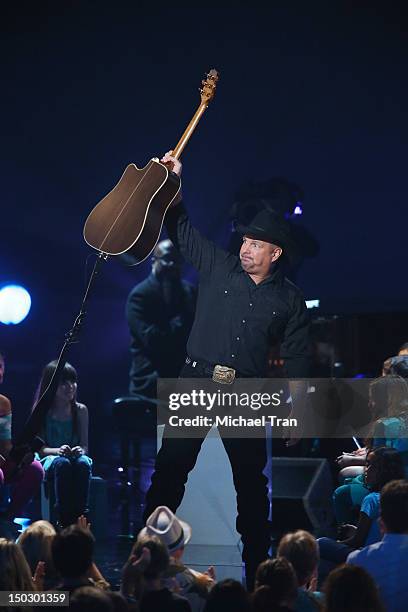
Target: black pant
<point>176,459</point>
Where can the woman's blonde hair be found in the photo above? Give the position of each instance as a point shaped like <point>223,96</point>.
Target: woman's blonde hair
<point>15,574</point>
<point>301,549</point>
<point>35,542</point>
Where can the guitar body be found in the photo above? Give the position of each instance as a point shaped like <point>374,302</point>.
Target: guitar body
<point>129,219</point>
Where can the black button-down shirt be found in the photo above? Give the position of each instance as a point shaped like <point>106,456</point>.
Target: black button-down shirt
<point>237,321</point>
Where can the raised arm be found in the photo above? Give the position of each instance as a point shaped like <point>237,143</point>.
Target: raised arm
<point>203,254</point>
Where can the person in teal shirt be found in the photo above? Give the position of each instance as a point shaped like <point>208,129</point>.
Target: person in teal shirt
<point>388,401</point>
<point>383,465</point>
<point>64,455</point>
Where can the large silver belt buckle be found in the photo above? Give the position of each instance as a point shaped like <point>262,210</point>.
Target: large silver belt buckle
<point>223,375</point>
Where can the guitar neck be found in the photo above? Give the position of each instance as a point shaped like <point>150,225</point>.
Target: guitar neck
<point>179,148</point>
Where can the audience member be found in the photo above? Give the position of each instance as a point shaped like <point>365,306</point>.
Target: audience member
<point>15,574</point>
<point>119,602</point>
<point>72,555</point>
<point>387,561</point>
<point>27,479</point>
<point>388,400</point>
<point>351,589</point>
<point>383,465</point>
<point>90,599</point>
<point>175,534</point>
<point>146,583</point>
<point>228,596</point>
<point>65,460</point>
<point>276,586</point>
<point>35,542</point>
<point>301,550</point>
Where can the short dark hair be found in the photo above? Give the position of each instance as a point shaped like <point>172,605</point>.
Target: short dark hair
<point>388,464</point>
<point>159,555</point>
<point>276,579</point>
<point>118,601</point>
<point>350,587</point>
<point>90,599</point>
<point>72,551</point>
<point>394,506</point>
<point>229,596</point>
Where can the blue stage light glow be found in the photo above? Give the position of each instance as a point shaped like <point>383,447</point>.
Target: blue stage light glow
<point>23,523</point>
<point>15,304</point>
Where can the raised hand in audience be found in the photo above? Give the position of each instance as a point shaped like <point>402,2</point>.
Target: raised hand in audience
<point>39,576</point>
<point>312,585</point>
<point>83,522</point>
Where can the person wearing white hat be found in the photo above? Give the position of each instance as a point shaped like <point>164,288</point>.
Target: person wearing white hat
<point>175,534</point>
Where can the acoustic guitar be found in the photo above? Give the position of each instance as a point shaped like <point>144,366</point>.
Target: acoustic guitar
<point>129,219</point>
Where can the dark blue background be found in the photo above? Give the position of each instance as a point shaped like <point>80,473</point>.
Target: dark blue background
<point>312,91</point>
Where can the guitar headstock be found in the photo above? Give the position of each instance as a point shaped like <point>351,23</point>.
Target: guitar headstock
<point>209,85</point>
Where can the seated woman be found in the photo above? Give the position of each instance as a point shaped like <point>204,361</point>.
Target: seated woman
<point>388,401</point>
<point>383,465</point>
<point>64,456</point>
<point>26,481</point>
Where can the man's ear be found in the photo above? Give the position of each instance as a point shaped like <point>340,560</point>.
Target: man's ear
<point>381,524</point>
<point>277,252</point>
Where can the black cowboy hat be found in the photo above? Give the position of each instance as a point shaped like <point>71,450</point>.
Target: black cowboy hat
<point>269,226</point>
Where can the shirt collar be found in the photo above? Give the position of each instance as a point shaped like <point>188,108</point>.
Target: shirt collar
<point>275,278</point>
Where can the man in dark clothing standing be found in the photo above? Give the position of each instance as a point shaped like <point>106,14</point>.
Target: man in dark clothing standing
<point>160,312</point>
<point>244,306</point>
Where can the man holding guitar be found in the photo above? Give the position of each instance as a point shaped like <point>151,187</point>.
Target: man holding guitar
<point>245,304</point>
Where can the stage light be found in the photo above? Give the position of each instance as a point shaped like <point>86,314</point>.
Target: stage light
<point>296,212</point>
<point>312,303</point>
<point>23,523</point>
<point>15,304</point>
